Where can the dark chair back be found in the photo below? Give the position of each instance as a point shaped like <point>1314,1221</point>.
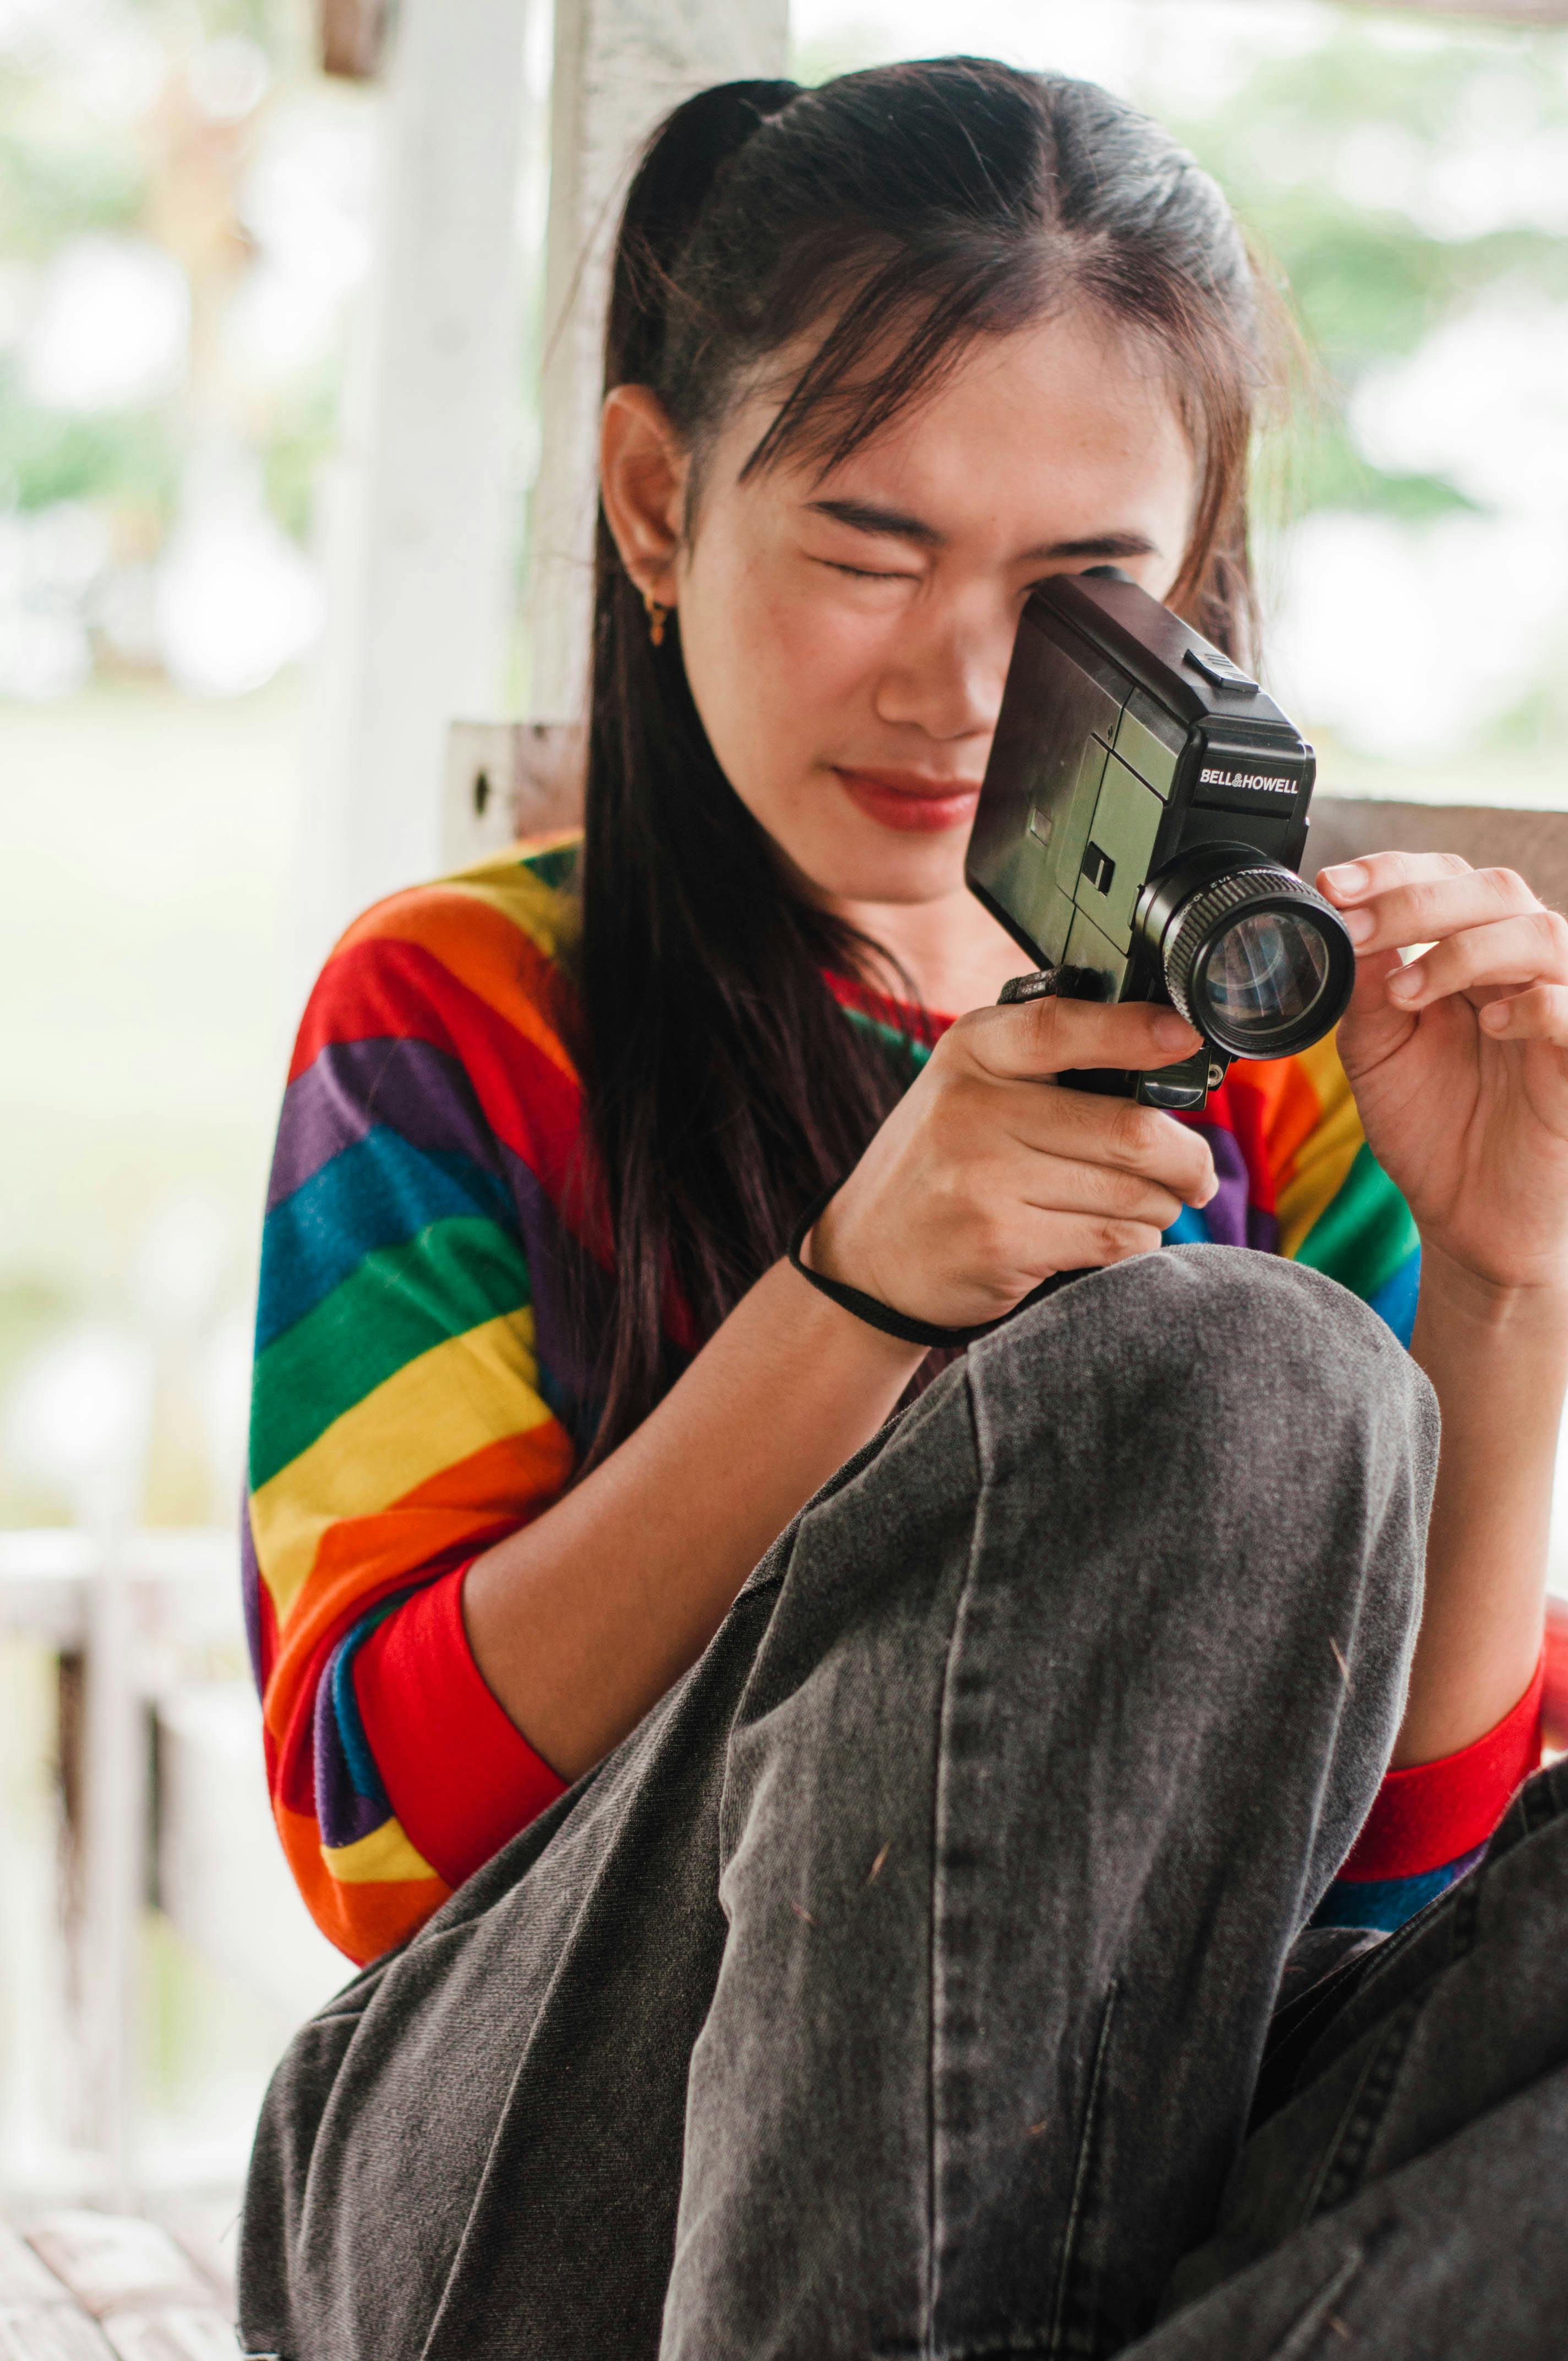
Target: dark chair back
<point>1533,842</point>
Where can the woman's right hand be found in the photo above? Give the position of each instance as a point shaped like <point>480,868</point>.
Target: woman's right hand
<point>988,1176</point>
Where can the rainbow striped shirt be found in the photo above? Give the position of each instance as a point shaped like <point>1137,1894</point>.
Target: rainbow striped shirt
<point>418,1393</point>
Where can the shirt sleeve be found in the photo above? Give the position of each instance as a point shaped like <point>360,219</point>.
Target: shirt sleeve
<point>460,1778</point>
<point>1431,1822</point>
<point>402,1417</point>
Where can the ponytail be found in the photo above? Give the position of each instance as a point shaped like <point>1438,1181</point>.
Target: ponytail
<point>683,160</point>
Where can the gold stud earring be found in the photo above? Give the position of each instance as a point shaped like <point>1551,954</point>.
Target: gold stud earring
<point>656,615</point>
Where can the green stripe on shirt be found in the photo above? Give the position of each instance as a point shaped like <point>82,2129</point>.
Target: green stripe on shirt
<point>400,1302</point>
<point>1363,1233</point>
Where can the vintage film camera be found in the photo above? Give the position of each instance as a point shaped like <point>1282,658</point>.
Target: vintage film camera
<point>1139,832</point>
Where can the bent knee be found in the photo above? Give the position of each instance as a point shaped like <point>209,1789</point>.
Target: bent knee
<point>1246,1340</point>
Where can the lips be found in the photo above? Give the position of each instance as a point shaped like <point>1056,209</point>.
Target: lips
<point>910,800</point>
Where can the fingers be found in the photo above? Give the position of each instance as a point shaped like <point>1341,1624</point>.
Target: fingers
<point>1421,898</point>
<point>1487,933</point>
<point>1053,1185</point>
<point>1538,1015</point>
<point>1380,872</point>
<point>1084,1242</point>
<point>1036,1038</point>
<point>1115,1135</point>
<point>1527,950</point>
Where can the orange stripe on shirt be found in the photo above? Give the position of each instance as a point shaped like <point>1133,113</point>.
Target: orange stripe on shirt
<point>360,1559</point>
<point>363,1920</point>
<point>481,949</point>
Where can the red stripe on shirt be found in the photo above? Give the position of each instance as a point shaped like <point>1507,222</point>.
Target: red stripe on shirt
<point>398,991</point>
<point>461,1779</point>
<point>1432,1813</point>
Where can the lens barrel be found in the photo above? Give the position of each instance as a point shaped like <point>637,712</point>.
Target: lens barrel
<point>1251,955</point>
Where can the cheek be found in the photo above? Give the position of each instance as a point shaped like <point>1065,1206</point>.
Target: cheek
<point>776,671</point>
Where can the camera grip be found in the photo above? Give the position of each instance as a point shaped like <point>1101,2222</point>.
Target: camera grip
<point>1185,1087</point>
<point>1052,984</point>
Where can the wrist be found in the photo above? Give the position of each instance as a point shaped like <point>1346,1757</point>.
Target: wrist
<point>822,1248</point>
<point>843,1331</point>
<point>1457,1294</point>
<point>886,1318</point>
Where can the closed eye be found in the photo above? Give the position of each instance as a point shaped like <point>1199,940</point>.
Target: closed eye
<point>863,573</point>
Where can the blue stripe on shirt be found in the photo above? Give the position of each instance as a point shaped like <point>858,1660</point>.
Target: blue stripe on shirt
<point>378,1192</point>
<point>1387,1901</point>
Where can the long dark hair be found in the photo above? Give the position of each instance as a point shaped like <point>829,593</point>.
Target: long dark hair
<point>951,200</point>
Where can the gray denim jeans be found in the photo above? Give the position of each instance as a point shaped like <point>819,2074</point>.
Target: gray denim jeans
<point>902,1985</point>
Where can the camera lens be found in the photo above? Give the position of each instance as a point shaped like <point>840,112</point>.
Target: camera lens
<point>1266,970</point>
<point>1260,963</point>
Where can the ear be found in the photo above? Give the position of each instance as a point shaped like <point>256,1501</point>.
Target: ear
<point>643,480</point>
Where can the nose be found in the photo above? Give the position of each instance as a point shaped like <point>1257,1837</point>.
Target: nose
<point>947,668</point>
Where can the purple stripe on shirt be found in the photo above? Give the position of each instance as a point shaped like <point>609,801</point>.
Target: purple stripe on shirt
<point>342,1814</point>
<point>1230,1216</point>
<point>414,1089</point>
<point>423,1094</point>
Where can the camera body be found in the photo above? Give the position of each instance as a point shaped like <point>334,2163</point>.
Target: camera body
<point>1141,829</point>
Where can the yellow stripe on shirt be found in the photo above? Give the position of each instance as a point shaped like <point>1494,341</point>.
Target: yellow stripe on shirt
<point>1323,1162</point>
<point>473,1389</point>
<point>383,1857</point>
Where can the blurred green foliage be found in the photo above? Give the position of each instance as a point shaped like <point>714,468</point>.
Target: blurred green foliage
<point>58,180</point>
<point>302,435</point>
<point>68,171</point>
<point>127,456</point>
<point>1369,281</point>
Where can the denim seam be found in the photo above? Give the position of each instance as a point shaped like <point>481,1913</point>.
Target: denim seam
<point>1466,1922</point>
<point>1339,2174</point>
<point>938,1782</point>
<point>1307,2330</point>
<point>1062,2330</point>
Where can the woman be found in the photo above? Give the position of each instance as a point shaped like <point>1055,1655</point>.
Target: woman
<point>906,1873</point>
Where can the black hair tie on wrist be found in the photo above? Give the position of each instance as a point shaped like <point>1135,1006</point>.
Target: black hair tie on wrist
<point>877,1314</point>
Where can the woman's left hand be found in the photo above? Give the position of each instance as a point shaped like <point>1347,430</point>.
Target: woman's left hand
<point>1459,1058</point>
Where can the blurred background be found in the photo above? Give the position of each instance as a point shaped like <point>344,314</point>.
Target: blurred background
<point>189,217</point>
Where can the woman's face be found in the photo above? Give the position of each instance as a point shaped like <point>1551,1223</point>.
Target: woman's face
<point>847,635</point>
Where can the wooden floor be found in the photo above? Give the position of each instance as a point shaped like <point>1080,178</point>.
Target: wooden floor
<point>82,2286</point>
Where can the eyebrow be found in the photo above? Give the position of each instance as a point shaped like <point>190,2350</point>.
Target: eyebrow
<point>866,516</point>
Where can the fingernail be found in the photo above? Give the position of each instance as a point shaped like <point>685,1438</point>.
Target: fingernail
<point>1359,925</point>
<point>1171,1030</point>
<point>1350,877</point>
<point>1496,1015</point>
<point>1406,984</point>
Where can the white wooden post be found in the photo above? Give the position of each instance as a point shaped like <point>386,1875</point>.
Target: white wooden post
<point>620,65</point>
<point>115,1767</point>
<point>421,512</point>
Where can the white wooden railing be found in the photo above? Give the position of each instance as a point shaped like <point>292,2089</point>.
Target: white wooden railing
<point>160,1797</point>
